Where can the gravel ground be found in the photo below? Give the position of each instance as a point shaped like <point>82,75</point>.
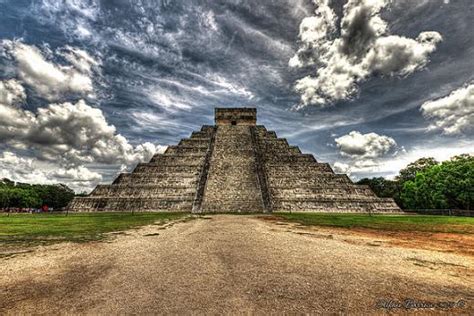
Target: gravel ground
<point>229,264</point>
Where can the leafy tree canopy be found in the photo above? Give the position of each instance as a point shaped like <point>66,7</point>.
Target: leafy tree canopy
<point>427,184</point>
<point>420,165</point>
<point>33,196</point>
<point>446,185</point>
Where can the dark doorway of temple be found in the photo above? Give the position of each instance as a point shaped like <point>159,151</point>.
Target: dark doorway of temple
<point>234,123</point>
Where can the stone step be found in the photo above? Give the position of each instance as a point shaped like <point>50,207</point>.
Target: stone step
<point>323,179</point>
<point>194,142</point>
<point>164,176</point>
<point>321,186</point>
<point>335,205</point>
<point>274,145</point>
<point>289,150</point>
<point>298,168</point>
<point>209,129</point>
<point>200,134</point>
<point>235,206</point>
<point>149,191</point>
<point>146,194</point>
<point>190,163</point>
<point>178,158</point>
<point>264,134</point>
<point>184,155</point>
<point>165,180</point>
<point>168,169</point>
<point>186,149</point>
<point>244,194</point>
<point>272,142</point>
<point>119,204</point>
<point>285,158</point>
<point>311,173</point>
<point>333,192</point>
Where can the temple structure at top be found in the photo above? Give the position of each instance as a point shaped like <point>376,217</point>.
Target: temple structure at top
<point>233,166</point>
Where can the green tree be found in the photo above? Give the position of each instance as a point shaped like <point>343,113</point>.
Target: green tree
<point>383,187</point>
<point>55,196</point>
<point>447,185</point>
<point>27,195</point>
<point>409,172</point>
<point>23,197</point>
<point>4,197</point>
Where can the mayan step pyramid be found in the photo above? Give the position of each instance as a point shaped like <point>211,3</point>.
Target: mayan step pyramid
<point>233,166</point>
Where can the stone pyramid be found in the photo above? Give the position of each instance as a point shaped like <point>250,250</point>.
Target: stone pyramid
<point>233,166</point>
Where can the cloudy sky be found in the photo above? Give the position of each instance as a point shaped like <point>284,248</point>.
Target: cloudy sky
<point>89,88</point>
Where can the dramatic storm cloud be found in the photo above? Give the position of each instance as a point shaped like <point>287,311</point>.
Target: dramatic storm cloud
<point>61,135</point>
<point>88,88</point>
<point>73,132</point>
<point>363,48</point>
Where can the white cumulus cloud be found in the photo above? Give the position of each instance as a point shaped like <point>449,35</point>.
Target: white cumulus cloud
<point>454,113</point>
<point>364,48</point>
<point>340,167</point>
<point>79,174</point>
<point>370,145</point>
<point>11,92</point>
<point>71,132</point>
<point>32,170</point>
<point>364,152</point>
<point>51,80</point>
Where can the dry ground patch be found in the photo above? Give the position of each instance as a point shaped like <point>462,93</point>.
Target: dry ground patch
<point>227,264</point>
<point>441,233</point>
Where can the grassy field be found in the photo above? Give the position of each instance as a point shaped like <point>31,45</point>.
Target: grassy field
<point>414,223</point>
<point>33,229</point>
<point>36,229</point>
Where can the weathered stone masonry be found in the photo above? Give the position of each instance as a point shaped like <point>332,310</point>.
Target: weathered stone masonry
<point>233,166</point>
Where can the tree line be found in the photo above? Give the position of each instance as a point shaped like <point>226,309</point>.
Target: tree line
<point>22,195</point>
<point>429,184</point>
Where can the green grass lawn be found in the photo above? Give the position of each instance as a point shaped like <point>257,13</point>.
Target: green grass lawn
<point>35,229</point>
<point>421,223</point>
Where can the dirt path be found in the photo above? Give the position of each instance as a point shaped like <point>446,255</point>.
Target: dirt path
<point>231,264</point>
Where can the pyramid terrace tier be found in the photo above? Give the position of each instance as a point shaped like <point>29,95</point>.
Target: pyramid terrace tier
<point>331,205</point>
<point>177,159</point>
<point>335,191</point>
<point>298,169</point>
<point>145,190</point>
<point>187,149</point>
<point>283,158</point>
<point>129,204</point>
<point>322,180</point>
<point>177,170</point>
<point>158,179</point>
